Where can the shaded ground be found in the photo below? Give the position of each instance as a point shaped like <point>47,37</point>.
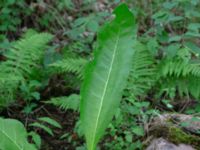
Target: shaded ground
<point>66,119</point>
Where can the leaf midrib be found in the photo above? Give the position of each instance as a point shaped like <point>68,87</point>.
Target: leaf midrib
<point>11,139</point>
<point>105,87</point>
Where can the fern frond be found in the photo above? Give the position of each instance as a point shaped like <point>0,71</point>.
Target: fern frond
<point>143,72</point>
<point>29,33</point>
<point>185,86</point>
<point>65,103</point>
<point>181,73</point>
<point>70,65</point>
<point>179,68</point>
<point>25,54</point>
<point>21,60</point>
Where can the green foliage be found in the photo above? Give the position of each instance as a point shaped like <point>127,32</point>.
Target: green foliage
<point>50,121</point>
<point>163,69</point>
<point>43,127</point>
<point>181,72</point>
<point>22,60</point>
<point>66,102</point>
<point>181,65</point>
<point>42,124</point>
<point>13,135</point>
<point>128,126</point>
<point>36,139</point>
<point>29,93</point>
<point>170,35</point>
<point>29,90</point>
<point>8,86</point>
<point>10,14</point>
<point>143,72</point>
<point>26,54</point>
<point>70,65</point>
<point>106,75</point>
<point>88,24</point>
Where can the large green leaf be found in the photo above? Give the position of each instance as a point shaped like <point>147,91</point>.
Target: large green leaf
<point>106,75</point>
<point>13,136</point>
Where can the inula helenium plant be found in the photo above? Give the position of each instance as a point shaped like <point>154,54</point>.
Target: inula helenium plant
<point>106,75</point>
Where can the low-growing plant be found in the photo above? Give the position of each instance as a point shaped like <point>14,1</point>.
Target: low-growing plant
<point>106,75</point>
<point>30,94</point>
<point>42,124</point>
<point>23,60</point>
<point>66,102</point>
<point>13,135</point>
<point>10,14</point>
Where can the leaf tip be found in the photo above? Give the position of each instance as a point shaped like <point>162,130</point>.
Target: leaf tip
<point>122,12</point>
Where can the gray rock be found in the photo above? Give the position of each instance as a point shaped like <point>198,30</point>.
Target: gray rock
<point>162,144</point>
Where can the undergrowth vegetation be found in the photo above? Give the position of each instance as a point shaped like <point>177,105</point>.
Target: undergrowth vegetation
<point>93,74</point>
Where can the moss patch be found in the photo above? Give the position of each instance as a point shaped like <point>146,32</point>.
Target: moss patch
<point>176,136</point>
